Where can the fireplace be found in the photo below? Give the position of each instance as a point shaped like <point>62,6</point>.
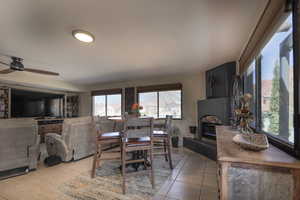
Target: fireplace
<point>204,143</point>
<point>212,112</point>
<point>208,125</point>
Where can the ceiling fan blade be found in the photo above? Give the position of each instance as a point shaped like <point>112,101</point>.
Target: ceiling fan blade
<point>3,63</point>
<point>6,71</point>
<point>41,71</point>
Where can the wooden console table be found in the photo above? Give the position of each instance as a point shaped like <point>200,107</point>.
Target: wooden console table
<point>247,175</point>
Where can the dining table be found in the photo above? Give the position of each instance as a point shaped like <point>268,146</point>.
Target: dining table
<point>137,154</point>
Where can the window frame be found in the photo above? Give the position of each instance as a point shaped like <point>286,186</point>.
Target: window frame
<point>296,76</point>
<point>163,88</point>
<point>107,93</point>
<point>276,141</point>
<point>288,147</point>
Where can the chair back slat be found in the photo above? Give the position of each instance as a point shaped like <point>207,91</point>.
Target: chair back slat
<point>168,123</point>
<point>138,127</point>
<point>135,121</point>
<point>137,133</point>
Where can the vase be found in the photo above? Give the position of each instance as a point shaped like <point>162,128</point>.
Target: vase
<point>244,126</point>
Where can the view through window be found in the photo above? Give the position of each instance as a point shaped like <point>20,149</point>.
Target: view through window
<point>277,106</point>
<point>107,105</point>
<point>170,104</point>
<point>149,102</point>
<point>158,104</point>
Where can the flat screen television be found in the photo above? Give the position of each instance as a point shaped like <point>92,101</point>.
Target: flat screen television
<point>36,104</point>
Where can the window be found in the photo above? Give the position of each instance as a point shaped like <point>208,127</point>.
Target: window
<point>107,105</point>
<point>159,101</point>
<point>277,93</point>
<point>99,107</point>
<point>170,104</point>
<point>149,102</point>
<point>274,84</point>
<point>114,105</point>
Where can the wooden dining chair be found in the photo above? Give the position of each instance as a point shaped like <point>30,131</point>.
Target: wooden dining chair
<point>105,137</point>
<point>162,139</point>
<point>138,136</point>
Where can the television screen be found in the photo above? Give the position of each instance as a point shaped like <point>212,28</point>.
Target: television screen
<point>35,104</point>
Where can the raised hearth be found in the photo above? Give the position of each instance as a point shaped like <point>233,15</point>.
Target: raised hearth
<point>206,147</point>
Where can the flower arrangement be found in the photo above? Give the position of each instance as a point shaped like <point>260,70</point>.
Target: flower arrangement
<point>135,109</point>
<point>245,116</point>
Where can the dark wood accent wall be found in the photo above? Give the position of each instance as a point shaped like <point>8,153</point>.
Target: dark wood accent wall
<point>129,98</point>
<point>219,81</point>
<point>164,87</point>
<point>107,91</point>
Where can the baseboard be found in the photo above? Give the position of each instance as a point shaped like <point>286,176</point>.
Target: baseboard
<point>13,172</point>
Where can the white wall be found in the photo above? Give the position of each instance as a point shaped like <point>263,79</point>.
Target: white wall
<point>193,90</point>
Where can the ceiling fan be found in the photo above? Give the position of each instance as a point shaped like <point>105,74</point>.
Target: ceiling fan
<point>17,65</point>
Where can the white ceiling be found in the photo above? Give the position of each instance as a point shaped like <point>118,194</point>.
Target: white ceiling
<point>134,38</point>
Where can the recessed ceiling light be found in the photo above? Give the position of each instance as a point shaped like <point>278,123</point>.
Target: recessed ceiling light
<point>83,36</point>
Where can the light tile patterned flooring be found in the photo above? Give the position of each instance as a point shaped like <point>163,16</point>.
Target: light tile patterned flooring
<point>194,178</point>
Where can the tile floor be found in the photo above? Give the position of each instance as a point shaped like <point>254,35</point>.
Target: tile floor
<point>194,178</point>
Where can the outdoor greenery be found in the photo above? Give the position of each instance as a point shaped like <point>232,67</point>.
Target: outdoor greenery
<point>274,104</point>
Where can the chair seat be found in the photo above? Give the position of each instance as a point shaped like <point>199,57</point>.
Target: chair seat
<point>142,141</point>
<point>109,135</point>
<point>159,133</point>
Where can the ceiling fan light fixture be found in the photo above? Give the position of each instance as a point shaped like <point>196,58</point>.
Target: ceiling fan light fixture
<point>17,64</point>
<point>83,36</point>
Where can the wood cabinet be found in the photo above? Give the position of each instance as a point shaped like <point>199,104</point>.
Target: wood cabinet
<point>4,102</point>
<point>219,80</point>
<point>248,175</point>
<point>72,106</point>
<point>129,98</point>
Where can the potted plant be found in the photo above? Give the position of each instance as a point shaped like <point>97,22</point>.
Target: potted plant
<point>175,133</point>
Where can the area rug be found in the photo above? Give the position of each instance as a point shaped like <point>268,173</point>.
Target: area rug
<point>107,185</point>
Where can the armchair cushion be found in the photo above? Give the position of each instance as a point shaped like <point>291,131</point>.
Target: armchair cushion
<point>77,140</point>
<point>56,146</point>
